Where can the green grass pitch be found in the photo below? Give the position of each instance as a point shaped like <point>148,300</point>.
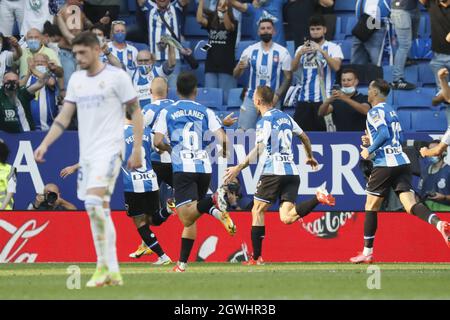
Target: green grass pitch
<point>232,281</point>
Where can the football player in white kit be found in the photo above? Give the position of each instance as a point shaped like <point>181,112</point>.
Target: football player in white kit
<point>99,92</point>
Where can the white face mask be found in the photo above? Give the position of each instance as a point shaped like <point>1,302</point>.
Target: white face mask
<point>348,90</point>
<point>42,69</point>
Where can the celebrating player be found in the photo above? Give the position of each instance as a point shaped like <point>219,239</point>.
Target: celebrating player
<point>439,149</point>
<point>184,123</point>
<point>391,169</point>
<point>98,93</point>
<point>279,179</point>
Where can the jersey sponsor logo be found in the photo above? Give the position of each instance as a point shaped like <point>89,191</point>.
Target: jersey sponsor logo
<point>10,115</point>
<point>393,150</point>
<point>142,176</point>
<point>194,155</point>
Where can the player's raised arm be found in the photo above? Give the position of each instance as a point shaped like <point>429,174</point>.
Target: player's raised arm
<point>60,124</point>
<point>215,126</point>
<point>135,160</point>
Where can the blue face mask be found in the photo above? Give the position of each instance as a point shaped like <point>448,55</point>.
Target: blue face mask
<point>119,37</point>
<point>34,44</point>
<point>434,160</point>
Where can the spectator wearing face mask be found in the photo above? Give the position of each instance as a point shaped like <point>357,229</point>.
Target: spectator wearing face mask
<point>264,9</point>
<point>147,70</point>
<point>43,107</point>
<point>51,35</point>
<point>10,51</point>
<point>35,45</point>
<point>318,60</point>
<point>348,107</point>
<point>124,52</point>
<point>270,65</point>
<point>222,29</point>
<point>434,185</point>
<point>106,55</point>
<point>15,113</point>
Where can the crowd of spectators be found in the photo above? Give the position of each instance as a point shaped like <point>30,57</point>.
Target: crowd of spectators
<point>36,61</point>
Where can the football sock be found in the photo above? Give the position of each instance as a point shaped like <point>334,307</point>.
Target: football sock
<point>160,216</point>
<point>258,233</point>
<point>370,228</point>
<point>305,207</point>
<point>111,252</point>
<point>186,247</point>
<point>207,206</point>
<point>150,239</point>
<point>422,212</point>
<point>94,208</point>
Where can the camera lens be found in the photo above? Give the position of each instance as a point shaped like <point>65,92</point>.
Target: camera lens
<point>51,197</point>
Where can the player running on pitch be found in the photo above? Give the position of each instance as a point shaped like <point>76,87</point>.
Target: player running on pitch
<point>184,123</point>
<point>439,149</point>
<point>391,169</point>
<point>279,179</point>
<point>98,93</point>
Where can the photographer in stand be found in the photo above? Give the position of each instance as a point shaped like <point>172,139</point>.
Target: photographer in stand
<point>51,200</point>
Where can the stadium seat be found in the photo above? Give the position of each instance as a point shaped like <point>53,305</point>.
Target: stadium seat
<point>348,22</point>
<point>132,5</point>
<point>140,46</point>
<point>418,98</point>
<point>290,45</point>
<point>426,75</point>
<point>411,74</point>
<point>345,5</point>
<point>346,46</point>
<point>193,28</point>
<point>363,90</point>
<point>200,73</point>
<point>404,117</point>
<point>241,47</point>
<point>246,26</point>
<point>199,54</point>
<point>234,97</point>
<point>173,94</point>
<point>429,121</point>
<point>192,7</point>
<point>210,97</point>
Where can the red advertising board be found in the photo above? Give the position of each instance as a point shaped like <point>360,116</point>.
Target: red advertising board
<point>329,237</point>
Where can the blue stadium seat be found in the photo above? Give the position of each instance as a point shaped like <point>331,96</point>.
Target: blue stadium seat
<point>411,74</point>
<point>200,74</point>
<point>173,94</point>
<point>429,121</point>
<point>424,26</point>
<point>193,28</point>
<point>192,7</point>
<point>404,117</point>
<point>246,26</point>
<point>234,97</point>
<point>348,22</point>
<point>346,46</point>
<point>344,5</point>
<point>241,47</point>
<point>426,75</point>
<point>132,5</point>
<point>140,46</point>
<point>235,110</point>
<point>363,90</point>
<point>418,98</point>
<point>210,97</point>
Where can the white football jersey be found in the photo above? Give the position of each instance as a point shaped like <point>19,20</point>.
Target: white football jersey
<point>446,137</point>
<point>100,101</point>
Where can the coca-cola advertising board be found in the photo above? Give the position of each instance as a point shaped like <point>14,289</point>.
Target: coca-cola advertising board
<point>323,237</point>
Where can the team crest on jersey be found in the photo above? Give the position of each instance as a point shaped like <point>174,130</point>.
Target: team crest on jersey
<point>442,184</point>
<point>276,59</point>
<point>10,115</point>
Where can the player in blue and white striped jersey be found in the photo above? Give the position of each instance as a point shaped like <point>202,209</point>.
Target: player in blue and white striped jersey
<point>141,194</point>
<point>392,169</point>
<point>270,65</point>
<point>148,69</point>
<point>124,52</point>
<point>184,124</point>
<point>319,60</point>
<point>279,179</point>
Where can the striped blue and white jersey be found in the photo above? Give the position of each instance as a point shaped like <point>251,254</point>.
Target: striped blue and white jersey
<point>390,154</point>
<point>126,56</point>
<point>143,179</point>
<point>186,123</point>
<point>266,68</point>
<point>310,80</point>
<point>43,107</point>
<point>379,9</point>
<point>142,80</point>
<point>151,112</point>
<point>173,16</point>
<point>446,138</point>
<point>276,129</point>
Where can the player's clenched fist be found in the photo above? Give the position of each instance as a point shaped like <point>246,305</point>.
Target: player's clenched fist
<point>39,153</point>
<point>135,160</point>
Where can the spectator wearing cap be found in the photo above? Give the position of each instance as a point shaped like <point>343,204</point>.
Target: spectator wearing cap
<point>10,51</point>
<point>405,17</point>
<point>222,29</point>
<point>264,9</point>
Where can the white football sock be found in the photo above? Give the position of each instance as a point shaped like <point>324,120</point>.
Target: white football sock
<point>94,207</point>
<point>111,251</point>
<point>367,251</point>
<point>438,225</point>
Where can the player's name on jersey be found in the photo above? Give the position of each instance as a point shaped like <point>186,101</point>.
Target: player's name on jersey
<point>130,139</point>
<point>187,113</point>
<point>282,121</point>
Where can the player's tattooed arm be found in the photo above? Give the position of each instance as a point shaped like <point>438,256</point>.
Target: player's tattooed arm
<point>224,142</point>
<point>137,120</point>
<point>284,85</point>
<point>308,150</point>
<point>60,123</point>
